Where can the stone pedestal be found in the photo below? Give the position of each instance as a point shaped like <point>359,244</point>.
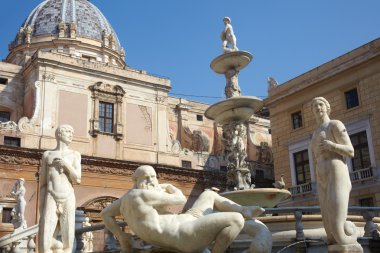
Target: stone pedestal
<point>350,248</point>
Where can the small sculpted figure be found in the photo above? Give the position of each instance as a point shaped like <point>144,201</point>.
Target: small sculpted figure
<point>228,37</point>
<point>60,168</point>
<point>192,231</point>
<point>88,237</point>
<point>235,151</point>
<point>271,83</point>
<point>330,145</point>
<point>19,191</point>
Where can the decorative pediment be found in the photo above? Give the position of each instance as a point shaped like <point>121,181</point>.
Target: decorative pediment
<point>102,87</point>
<point>105,92</point>
<point>99,203</point>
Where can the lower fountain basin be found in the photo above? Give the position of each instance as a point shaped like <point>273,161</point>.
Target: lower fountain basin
<point>234,109</point>
<point>263,197</point>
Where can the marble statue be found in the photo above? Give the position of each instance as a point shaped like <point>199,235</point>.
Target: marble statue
<point>331,145</point>
<point>193,231</point>
<point>19,191</point>
<point>238,178</point>
<point>228,37</point>
<point>88,237</point>
<point>272,83</point>
<point>60,168</point>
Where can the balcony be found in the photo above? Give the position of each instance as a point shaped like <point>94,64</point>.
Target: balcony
<point>362,175</point>
<point>301,189</point>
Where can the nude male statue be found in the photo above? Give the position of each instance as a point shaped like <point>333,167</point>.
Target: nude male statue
<point>192,231</point>
<point>59,169</point>
<point>228,36</point>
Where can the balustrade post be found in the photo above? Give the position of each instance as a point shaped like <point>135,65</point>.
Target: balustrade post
<point>109,241</point>
<point>31,246</point>
<point>299,226</point>
<point>16,247</point>
<point>79,219</point>
<point>370,228</point>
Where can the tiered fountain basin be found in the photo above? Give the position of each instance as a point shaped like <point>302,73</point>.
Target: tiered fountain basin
<point>263,197</point>
<point>234,109</point>
<point>233,60</point>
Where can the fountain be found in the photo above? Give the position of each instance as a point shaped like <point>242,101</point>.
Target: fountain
<point>232,114</point>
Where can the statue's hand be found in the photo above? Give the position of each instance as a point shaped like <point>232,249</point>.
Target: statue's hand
<point>168,188</point>
<point>250,212</point>
<point>60,164</point>
<point>327,145</point>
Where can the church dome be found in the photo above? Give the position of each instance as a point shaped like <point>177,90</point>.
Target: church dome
<point>91,23</point>
<point>74,19</point>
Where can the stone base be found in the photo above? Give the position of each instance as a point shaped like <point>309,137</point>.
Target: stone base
<point>349,248</point>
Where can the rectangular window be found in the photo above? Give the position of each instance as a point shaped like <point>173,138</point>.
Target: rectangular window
<point>88,57</point>
<point>352,98</point>
<point>12,141</point>
<point>186,164</point>
<point>7,217</point>
<point>361,159</point>
<point>106,117</point>
<point>199,117</point>
<point>3,81</point>
<point>297,120</point>
<point>5,116</point>
<point>302,167</point>
<point>259,174</point>
<point>366,202</point>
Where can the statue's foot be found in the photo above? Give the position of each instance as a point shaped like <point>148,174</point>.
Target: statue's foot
<point>56,245</point>
<point>250,212</point>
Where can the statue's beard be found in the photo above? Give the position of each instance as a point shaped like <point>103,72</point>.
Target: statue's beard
<point>150,186</point>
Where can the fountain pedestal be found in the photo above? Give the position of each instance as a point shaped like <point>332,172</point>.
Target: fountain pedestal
<point>233,114</point>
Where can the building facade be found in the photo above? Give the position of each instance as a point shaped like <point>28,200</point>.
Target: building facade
<point>66,66</point>
<point>351,84</point>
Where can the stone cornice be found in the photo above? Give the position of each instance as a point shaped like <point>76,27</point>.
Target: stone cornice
<point>100,70</point>
<point>24,156</point>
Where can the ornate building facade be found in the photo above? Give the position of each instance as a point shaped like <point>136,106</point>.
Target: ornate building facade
<point>66,66</point>
<point>351,84</point>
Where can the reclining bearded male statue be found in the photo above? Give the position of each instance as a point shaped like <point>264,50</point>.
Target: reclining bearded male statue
<point>192,231</point>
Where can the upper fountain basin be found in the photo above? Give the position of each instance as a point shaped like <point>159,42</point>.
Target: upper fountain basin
<point>231,60</point>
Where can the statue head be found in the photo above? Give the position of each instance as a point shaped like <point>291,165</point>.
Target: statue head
<point>21,181</point>
<point>145,177</point>
<point>64,133</point>
<point>227,20</point>
<point>323,100</point>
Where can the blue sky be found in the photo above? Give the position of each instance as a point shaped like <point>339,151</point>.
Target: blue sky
<point>178,39</point>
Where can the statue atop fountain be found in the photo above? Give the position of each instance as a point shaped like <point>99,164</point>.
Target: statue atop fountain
<point>228,37</point>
